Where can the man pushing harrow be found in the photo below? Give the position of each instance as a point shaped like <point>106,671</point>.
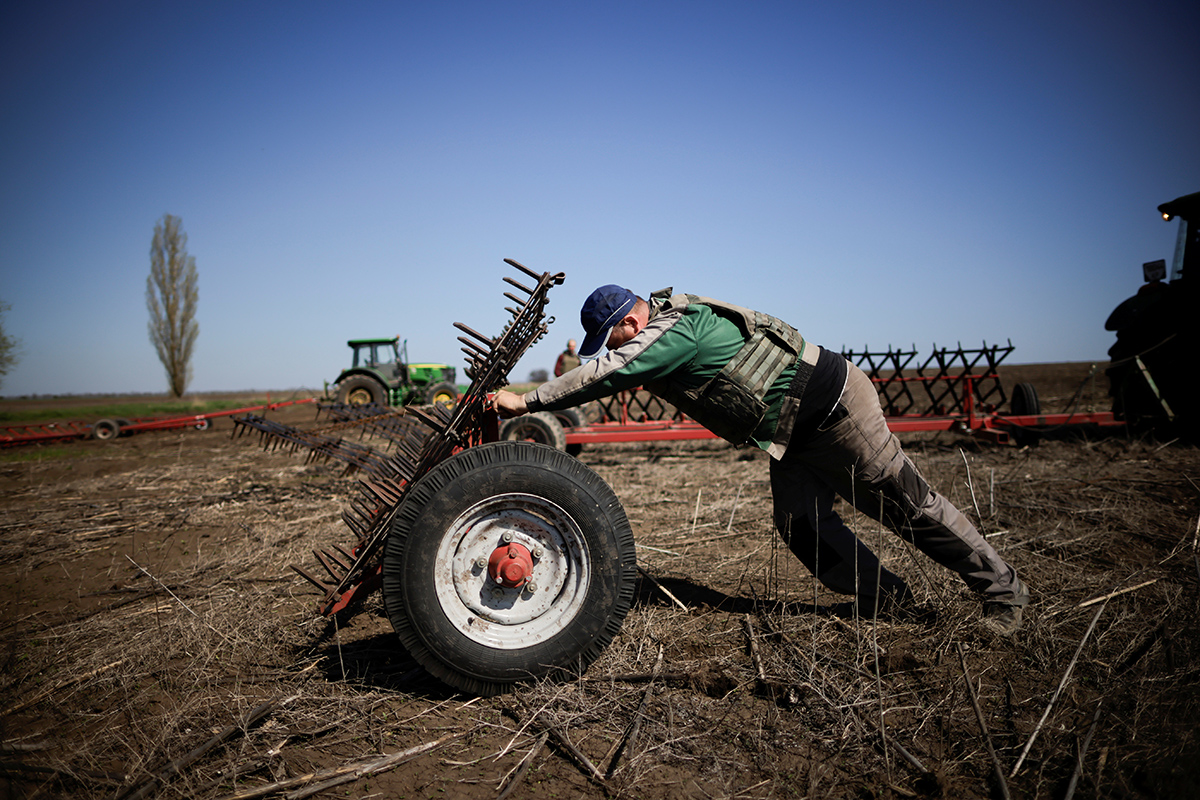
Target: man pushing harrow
<point>751,378</point>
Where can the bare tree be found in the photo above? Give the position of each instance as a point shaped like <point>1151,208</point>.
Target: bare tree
<point>171,296</point>
<point>8,345</point>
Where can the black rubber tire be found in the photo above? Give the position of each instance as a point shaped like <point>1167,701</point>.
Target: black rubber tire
<point>453,515</point>
<point>105,429</point>
<point>1024,400</point>
<point>445,394</point>
<point>540,427</point>
<point>359,390</point>
<point>570,418</point>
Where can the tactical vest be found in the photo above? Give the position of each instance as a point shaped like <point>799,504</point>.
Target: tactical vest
<point>732,404</point>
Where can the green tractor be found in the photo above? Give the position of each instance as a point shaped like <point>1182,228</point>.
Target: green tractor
<point>380,374</point>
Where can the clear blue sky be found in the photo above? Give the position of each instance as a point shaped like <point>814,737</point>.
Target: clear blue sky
<point>874,173</point>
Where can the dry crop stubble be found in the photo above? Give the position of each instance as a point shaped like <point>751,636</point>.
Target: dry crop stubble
<point>148,608</point>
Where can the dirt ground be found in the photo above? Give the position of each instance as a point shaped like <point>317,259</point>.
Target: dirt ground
<point>155,643</point>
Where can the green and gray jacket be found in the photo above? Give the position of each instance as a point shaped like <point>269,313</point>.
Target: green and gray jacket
<point>731,369</point>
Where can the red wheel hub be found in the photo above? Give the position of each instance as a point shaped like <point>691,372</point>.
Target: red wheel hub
<point>510,565</point>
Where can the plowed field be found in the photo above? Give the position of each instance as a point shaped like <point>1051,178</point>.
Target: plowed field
<point>155,644</point>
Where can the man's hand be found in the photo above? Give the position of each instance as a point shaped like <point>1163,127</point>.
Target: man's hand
<point>509,404</point>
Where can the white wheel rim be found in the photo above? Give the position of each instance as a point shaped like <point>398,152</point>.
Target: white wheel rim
<point>500,617</point>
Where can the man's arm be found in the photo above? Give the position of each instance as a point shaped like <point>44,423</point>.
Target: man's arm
<point>509,404</point>
<point>658,350</point>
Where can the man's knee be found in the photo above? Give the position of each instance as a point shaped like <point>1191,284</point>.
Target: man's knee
<point>903,495</point>
<point>805,543</point>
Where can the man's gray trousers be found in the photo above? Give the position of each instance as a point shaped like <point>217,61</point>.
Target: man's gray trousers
<point>854,455</point>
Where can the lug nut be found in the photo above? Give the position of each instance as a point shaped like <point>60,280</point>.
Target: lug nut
<point>506,537</point>
<point>530,587</point>
<point>539,551</point>
<point>481,562</point>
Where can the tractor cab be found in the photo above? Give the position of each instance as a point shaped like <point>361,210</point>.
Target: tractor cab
<point>374,352</point>
<point>382,356</point>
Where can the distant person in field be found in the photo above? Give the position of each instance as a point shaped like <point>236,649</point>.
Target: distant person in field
<point>567,360</point>
<point>752,379</point>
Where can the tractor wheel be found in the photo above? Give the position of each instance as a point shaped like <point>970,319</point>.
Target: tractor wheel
<point>571,418</point>
<point>443,394</point>
<point>452,592</point>
<point>359,390</point>
<point>540,427</point>
<point>106,429</point>
<point>1025,400</point>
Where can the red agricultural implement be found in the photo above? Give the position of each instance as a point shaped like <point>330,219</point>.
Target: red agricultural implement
<point>110,428</point>
<point>951,390</point>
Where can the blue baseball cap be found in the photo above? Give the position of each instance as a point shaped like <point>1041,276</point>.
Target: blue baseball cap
<point>603,309</point>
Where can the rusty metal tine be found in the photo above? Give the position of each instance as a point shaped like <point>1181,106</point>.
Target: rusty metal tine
<point>387,490</point>
<point>475,333</point>
<point>476,353</point>
<point>315,581</point>
<point>523,268</point>
<point>364,507</point>
<point>324,562</point>
<point>334,557</point>
<point>413,439</point>
<point>367,514</point>
<point>354,524</point>
<point>349,556</point>
<point>482,350</point>
<point>403,467</point>
<point>437,424</point>
<point>516,299</point>
<point>375,490</point>
<point>524,289</point>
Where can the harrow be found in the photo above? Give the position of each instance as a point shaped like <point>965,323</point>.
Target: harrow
<point>499,560</point>
<point>951,389</point>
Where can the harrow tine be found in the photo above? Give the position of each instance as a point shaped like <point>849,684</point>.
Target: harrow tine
<point>524,289</point>
<point>475,333</point>
<point>523,268</point>
<point>429,419</point>
<point>383,490</point>
<point>328,563</point>
<point>475,349</point>
<point>359,528</point>
<point>326,588</point>
<point>335,557</point>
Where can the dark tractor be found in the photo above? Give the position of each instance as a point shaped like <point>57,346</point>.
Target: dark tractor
<point>1157,335</point>
<point>381,374</point>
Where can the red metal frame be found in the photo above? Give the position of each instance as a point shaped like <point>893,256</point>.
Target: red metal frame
<point>985,423</point>
<point>56,431</point>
